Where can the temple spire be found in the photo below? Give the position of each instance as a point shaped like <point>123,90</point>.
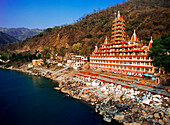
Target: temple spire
<point>118,29</point>
<point>96,49</point>
<point>118,16</point>
<point>150,43</point>
<point>115,15</point>
<point>134,37</point>
<point>105,42</point>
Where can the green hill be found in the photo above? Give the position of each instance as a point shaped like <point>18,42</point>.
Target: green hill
<point>147,17</point>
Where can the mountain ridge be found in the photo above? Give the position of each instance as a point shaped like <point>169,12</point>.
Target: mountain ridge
<point>148,18</point>
<point>5,39</point>
<point>20,33</point>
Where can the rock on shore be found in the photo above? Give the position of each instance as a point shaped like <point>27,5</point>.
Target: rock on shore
<point>111,101</point>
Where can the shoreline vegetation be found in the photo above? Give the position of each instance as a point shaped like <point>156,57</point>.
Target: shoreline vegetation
<point>126,105</point>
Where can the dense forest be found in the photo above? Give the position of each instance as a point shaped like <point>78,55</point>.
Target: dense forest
<point>160,53</point>
<point>147,17</point>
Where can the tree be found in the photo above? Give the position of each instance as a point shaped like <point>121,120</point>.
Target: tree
<point>46,54</point>
<point>6,56</point>
<point>76,48</point>
<point>85,51</point>
<point>39,56</point>
<point>144,42</point>
<point>29,57</point>
<point>160,53</point>
<point>61,50</point>
<point>54,51</point>
<point>48,30</point>
<point>18,57</point>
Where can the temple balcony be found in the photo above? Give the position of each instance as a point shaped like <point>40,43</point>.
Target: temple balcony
<point>116,35</point>
<point>117,39</point>
<point>115,43</point>
<point>127,65</point>
<point>120,23</point>
<point>125,55</point>
<point>125,61</point>
<point>115,28</point>
<point>118,31</point>
<point>117,20</point>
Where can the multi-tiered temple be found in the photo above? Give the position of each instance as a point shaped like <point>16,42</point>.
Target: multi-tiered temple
<point>122,56</point>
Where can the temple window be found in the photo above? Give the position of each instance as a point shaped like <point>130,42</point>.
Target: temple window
<point>130,68</point>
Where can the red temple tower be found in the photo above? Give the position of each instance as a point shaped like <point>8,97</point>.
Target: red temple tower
<point>121,56</point>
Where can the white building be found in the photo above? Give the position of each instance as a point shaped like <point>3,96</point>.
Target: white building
<point>78,61</point>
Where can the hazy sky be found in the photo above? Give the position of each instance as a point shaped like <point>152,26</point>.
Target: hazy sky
<point>47,13</point>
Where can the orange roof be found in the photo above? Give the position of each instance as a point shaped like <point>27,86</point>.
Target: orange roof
<point>96,49</point>
<point>150,43</point>
<point>105,42</point>
<point>134,37</point>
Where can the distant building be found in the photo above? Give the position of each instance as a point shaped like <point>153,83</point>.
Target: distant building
<point>30,65</point>
<point>123,56</point>
<point>36,62</point>
<point>69,61</point>
<point>78,61</point>
<point>60,64</point>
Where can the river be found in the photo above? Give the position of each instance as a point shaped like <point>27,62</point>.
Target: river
<point>31,100</point>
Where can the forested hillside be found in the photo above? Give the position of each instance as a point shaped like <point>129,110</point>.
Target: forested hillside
<point>147,17</point>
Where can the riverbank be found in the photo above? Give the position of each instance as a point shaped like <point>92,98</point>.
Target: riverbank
<point>110,100</point>
<point>31,100</point>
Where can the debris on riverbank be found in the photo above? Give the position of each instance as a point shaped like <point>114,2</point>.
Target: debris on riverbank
<point>122,104</point>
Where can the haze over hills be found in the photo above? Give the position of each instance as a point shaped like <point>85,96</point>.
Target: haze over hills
<point>20,33</point>
<point>147,17</point>
<point>5,39</point>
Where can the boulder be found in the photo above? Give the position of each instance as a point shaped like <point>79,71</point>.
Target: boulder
<point>156,115</point>
<point>136,119</point>
<point>168,110</point>
<point>134,123</point>
<point>161,122</point>
<point>118,105</point>
<point>150,116</point>
<point>135,110</point>
<point>101,112</point>
<point>150,113</point>
<point>119,117</point>
<point>107,119</point>
<point>161,114</point>
<point>96,110</point>
<point>144,112</point>
<point>129,120</point>
<point>165,120</point>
